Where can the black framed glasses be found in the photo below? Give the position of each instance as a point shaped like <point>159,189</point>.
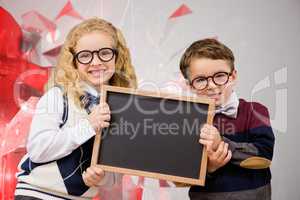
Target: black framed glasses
<point>219,79</point>
<point>104,54</point>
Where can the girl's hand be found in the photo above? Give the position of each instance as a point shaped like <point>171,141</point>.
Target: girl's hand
<point>218,158</point>
<point>210,133</point>
<point>92,176</point>
<point>100,116</point>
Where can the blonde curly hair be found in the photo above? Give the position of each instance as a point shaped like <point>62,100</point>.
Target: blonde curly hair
<point>66,76</point>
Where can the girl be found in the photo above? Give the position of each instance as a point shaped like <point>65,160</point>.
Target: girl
<point>67,117</point>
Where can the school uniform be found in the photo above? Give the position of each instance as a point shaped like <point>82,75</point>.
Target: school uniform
<point>245,126</point>
<point>59,150</point>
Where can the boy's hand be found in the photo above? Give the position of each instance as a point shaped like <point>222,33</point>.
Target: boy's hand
<point>100,116</point>
<point>218,158</point>
<point>210,134</point>
<point>92,176</point>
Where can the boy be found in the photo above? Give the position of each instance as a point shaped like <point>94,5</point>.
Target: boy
<point>240,143</point>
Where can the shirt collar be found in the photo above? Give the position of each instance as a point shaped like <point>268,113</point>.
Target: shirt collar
<point>230,108</point>
<point>90,89</point>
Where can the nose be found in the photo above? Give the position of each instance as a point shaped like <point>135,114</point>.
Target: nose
<point>96,60</point>
<point>210,83</point>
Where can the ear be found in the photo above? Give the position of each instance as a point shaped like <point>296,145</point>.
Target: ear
<point>234,76</point>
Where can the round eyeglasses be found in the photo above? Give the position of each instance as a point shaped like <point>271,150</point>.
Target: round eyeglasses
<point>104,54</point>
<point>219,79</point>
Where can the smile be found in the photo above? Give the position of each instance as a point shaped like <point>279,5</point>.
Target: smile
<point>97,73</point>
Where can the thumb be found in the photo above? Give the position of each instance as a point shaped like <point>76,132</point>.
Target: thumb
<point>209,148</point>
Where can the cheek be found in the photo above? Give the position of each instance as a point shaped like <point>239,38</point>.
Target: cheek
<point>228,88</point>
<point>201,92</point>
<point>81,67</point>
<point>83,75</point>
<point>226,92</point>
<point>111,67</point>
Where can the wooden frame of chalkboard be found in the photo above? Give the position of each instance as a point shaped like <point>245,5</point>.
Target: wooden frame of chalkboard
<point>174,157</point>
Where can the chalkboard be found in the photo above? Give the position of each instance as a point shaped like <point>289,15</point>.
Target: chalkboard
<point>153,135</point>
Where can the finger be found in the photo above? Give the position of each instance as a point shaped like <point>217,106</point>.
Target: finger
<point>209,127</point>
<point>93,176</point>
<point>205,135</point>
<point>228,157</point>
<point>98,176</point>
<point>219,151</point>
<point>205,142</point>
<point>224,153</point>
<point>213,137</point>
<point>206,125</point>
<point>91,172</point>
<point>210,130</point>
<point>214,129</point>
<point>89,180</point>
<point>205,128</point>
<point>104,124</point>
<point>98,171</point>
<point>105,117</point>
<point>101,108</point>
<point>104,106</point>
<point>85,180</point>
<point>104,111</point>
<point>209,150</point>
<point>84,175</point>
<point>92,182</point>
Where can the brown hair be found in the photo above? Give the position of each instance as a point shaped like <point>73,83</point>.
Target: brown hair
<point>66,74</point>
<point>206,48</point>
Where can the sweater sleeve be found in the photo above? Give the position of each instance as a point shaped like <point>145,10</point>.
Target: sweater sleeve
<point>257,152</point>
<point>46,141</point>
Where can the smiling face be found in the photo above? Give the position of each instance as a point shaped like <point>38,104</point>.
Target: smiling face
<point>205,67</point>
<point>97,72</point>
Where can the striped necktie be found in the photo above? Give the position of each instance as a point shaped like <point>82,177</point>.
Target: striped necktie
<point>89,101</point>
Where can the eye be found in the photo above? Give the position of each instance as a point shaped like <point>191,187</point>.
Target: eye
<point>220,75</point>
<point>84,55</point>
<point>106,52</point>
<point>200,80</point>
